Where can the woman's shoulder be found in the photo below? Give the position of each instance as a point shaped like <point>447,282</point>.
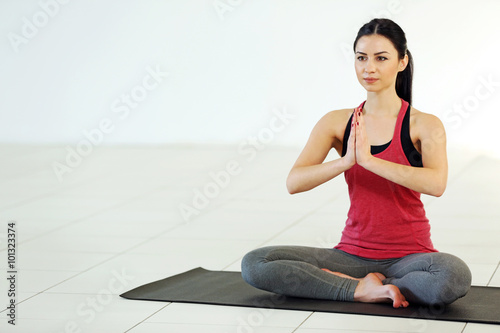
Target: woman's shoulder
<point>335,121</point>
<point>340,116</point>
<point>424,122</point>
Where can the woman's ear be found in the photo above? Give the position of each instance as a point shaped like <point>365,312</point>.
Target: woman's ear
<point>403,63</point>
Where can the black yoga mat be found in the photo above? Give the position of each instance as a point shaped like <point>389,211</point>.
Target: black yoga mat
<point>480,305</point>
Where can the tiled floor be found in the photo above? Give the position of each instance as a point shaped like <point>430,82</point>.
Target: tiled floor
<point>119,219</point>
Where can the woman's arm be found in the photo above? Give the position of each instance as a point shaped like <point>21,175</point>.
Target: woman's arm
<point>432,178</point>
<point>309,170</point>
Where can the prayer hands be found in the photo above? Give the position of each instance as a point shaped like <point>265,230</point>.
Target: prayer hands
<point>358,147</point>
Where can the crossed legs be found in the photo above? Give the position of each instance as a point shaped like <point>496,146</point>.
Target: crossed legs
<point>425,278</point>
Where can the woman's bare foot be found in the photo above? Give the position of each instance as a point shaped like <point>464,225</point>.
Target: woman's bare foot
<point>371,290</point>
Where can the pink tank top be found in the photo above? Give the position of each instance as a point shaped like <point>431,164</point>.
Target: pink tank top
<point>385,220</point>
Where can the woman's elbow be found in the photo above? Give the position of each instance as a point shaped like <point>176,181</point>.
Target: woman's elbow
<point>290,185</point>
<point>438,190</point>
<point>438,193</point>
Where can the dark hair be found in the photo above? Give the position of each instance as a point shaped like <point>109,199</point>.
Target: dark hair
<point>390,30</point>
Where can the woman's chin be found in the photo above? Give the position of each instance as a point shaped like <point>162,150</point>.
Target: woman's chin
<point>370,88</point>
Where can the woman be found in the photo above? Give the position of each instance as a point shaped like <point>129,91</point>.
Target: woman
<point>390,154</point>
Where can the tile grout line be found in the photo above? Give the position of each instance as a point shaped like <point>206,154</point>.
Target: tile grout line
<point>302,323</point>
<point>492,275</point>
<point>151,315</point>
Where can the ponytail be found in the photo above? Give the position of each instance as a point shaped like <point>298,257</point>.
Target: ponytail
<point>404,80</point>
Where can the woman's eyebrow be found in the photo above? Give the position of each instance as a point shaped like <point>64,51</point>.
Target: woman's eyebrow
<point>374,53</point>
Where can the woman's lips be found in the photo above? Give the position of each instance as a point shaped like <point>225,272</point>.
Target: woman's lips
<point>370,80</point>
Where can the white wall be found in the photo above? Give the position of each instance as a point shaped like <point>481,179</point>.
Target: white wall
<point>230,63</point>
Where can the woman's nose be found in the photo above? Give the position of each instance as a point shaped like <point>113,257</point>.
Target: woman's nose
<point>370,67</point>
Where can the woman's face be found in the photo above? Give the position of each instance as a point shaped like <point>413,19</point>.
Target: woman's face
<point>377,63</point>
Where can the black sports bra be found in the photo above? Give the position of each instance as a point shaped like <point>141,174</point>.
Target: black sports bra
<point>411,153</point>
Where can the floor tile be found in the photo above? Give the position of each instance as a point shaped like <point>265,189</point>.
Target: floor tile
<point>481,328</point>
<point>205,328</point>
<point>481,274</point>
<point>60,242</point>
<point>39,326</point>
<point>178,313</point>
<point>484,255</point>
<point>495,280</point>
<point>122,273</point>
<point>68,261</point>
<point>35,281</point>
<point>330,330</point>
<point>382,324</point>
<point>90,313</point>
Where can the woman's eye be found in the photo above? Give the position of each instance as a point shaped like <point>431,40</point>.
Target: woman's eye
<point>382,58</point>
<point>361,58</point>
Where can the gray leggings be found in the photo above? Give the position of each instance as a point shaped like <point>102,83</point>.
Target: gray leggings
<point>425,278</point>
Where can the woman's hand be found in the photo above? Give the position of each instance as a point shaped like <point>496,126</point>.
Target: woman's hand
<point>363,150</point>
<point>350,155</point>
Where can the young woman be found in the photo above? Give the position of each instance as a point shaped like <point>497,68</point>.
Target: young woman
<point>390,154</point>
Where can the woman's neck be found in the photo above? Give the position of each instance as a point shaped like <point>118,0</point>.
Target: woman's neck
<point>382,103</point>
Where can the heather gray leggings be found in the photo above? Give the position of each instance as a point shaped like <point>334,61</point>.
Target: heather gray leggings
<point>425,278</point>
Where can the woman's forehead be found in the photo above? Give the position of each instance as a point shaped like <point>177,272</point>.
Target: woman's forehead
<point>372,44</point>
